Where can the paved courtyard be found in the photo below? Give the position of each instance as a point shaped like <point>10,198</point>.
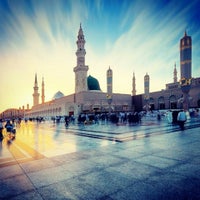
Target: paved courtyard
<point>152,160</point>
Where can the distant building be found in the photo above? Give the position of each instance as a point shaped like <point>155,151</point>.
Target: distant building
<point>13,113</point>
<point>171,97</point>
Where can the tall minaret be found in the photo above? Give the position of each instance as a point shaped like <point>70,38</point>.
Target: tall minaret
<point>43,96</point>
<point>109,82</point>
<point>186,68</point>
<point>175,74</point>
<point>81,69</point>
<point>35,94</point>
<point>186,57</point>
<point>146,86</point>
<point>109,88</point>
<point>133,85</point>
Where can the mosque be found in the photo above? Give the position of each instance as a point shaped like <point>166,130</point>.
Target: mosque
<point>88,97</point>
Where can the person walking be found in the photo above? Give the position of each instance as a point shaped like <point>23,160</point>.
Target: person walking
<point>8,126</point>
<point>182,118</point>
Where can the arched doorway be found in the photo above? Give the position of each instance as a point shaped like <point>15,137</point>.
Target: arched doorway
<point>161,103</point>
<point>172,102</point>
<point>152,103</point>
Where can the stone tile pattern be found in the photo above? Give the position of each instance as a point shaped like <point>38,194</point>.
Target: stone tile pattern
<point>161,167</point>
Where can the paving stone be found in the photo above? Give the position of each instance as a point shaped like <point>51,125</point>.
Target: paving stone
<point>156,161</point>
<point>152,162</point>
<point>14,186</point>
<point>107,182</point>
<point>48,176</point>
<point>33,195</point>
<point>10,171</point>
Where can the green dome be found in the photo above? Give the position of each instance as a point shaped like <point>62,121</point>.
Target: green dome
<point>93,83</point>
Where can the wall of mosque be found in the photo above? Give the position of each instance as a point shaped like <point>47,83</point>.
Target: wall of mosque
<point>83,102</point>
<point>171,97</point>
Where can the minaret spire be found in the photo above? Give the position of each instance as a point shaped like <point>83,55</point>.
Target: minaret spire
<point>81,69</point>
<point>133,85</point>
<point>109,82</point>
<point>36,84</point>
<point>35,94</point>
<point>109,87</point>
<point>185,33</point>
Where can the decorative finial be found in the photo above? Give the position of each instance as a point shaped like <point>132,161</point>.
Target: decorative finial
<point>35,77</point>
<point>185,33</point>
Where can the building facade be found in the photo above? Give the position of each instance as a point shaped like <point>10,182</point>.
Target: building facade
<point>170,98</point>
<point>178,93</point>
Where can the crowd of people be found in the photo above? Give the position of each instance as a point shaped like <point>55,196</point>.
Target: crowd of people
<point>176,117</point>
<point>116,118</point>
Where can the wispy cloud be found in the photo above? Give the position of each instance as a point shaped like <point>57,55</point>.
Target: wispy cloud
<point>40,36</point>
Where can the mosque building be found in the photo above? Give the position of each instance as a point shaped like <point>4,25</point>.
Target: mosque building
<point>88,97</point>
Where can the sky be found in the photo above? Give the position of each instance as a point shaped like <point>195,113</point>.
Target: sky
<point>129,36</point>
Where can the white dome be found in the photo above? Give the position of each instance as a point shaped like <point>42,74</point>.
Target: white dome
<point>58,95</point>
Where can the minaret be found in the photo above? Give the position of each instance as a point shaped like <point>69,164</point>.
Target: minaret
<point>109,87</point>
<point>146,86</point>
<point>175,74</point>
<point>133,85</point>
<point>81,69</point>
<point>186,57</point>
<point>109,81</point>
<point>186,68</point>
<point>43,96</point>
<point>35,94</point>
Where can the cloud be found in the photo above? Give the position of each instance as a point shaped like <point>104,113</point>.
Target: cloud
<point>40,37</point>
